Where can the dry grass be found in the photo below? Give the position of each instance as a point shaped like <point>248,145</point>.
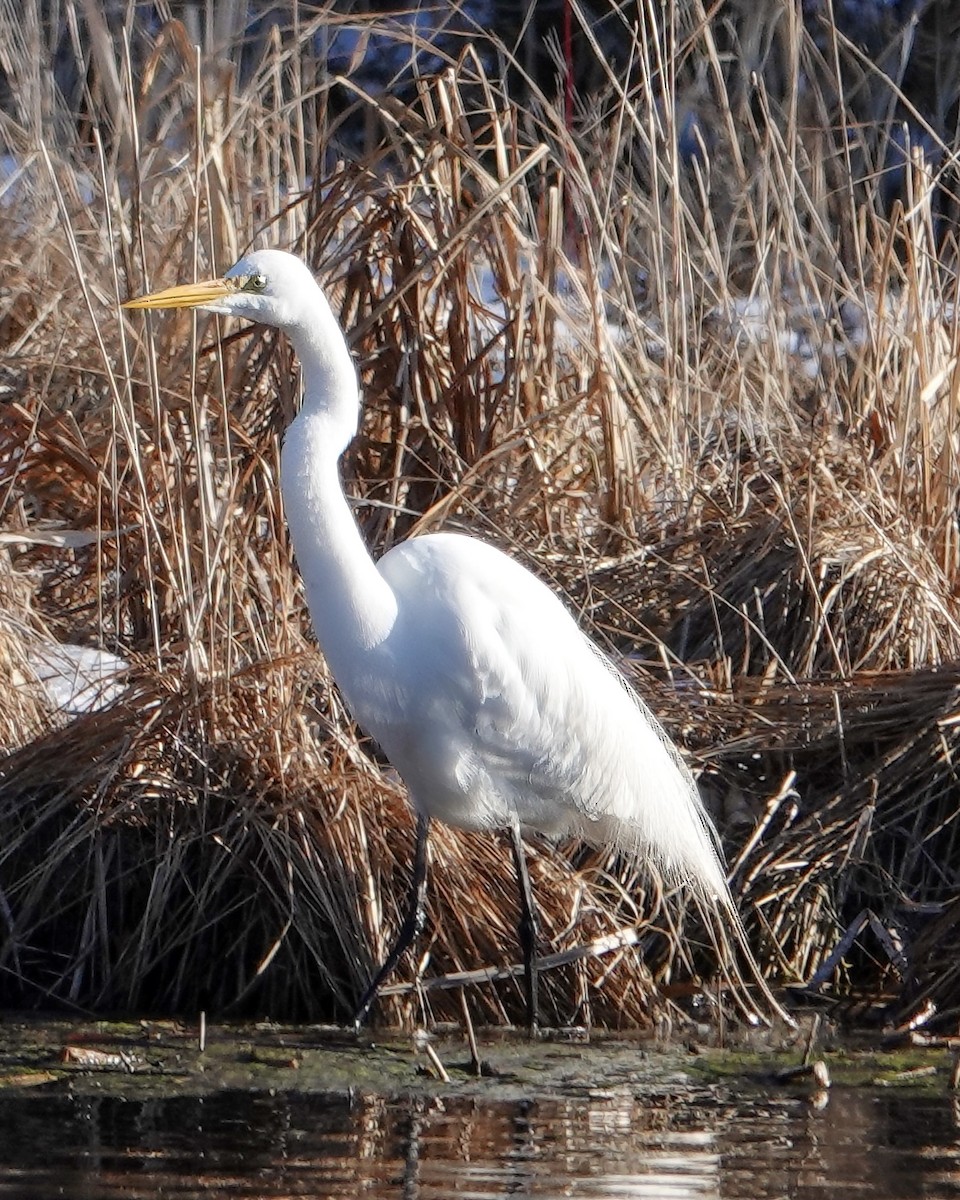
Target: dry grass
<point>708,394</point>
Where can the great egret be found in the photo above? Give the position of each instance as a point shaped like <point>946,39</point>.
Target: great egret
<point>497,711</point>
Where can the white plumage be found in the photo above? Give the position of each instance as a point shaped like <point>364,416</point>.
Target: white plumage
<point>494,707</point>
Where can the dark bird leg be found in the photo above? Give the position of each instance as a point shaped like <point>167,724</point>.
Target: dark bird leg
<point>527,928</point>
<point>412,924</point>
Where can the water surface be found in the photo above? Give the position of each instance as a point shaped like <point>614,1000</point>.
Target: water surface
<point>677,1142</point>
<point>270,1112</point>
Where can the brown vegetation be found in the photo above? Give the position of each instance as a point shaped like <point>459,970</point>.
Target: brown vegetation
<point>709,394</point>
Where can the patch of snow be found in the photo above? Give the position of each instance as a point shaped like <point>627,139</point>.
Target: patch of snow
<point>77,679</point>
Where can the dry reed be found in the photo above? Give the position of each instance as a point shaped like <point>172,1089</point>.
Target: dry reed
<point>706,389</point>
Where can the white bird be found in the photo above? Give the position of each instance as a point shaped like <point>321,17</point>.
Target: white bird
<point>495,708</point>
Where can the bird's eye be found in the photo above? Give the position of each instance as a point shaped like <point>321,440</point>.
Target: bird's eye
<point>256,283</point>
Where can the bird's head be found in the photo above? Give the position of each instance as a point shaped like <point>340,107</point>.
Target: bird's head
<point>269,286</point>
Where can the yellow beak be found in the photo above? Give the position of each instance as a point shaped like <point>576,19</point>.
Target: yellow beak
<point>185,295</point>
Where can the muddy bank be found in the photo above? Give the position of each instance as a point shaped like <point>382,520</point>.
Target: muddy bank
<point>156,1058</point>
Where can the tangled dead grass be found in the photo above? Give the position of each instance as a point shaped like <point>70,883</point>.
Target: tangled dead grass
<point>709,395</point>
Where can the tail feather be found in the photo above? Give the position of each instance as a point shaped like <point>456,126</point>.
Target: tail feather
<point>693,857</point>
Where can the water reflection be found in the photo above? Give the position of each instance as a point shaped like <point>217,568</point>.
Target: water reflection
<point>674,1144</point>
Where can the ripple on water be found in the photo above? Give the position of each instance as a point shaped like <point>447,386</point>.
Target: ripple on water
<point>675,1144</point>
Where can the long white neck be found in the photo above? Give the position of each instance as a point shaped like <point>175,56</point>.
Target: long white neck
<point>351,605</point>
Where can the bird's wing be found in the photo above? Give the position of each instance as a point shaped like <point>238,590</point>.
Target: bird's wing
<point>539,724</point>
